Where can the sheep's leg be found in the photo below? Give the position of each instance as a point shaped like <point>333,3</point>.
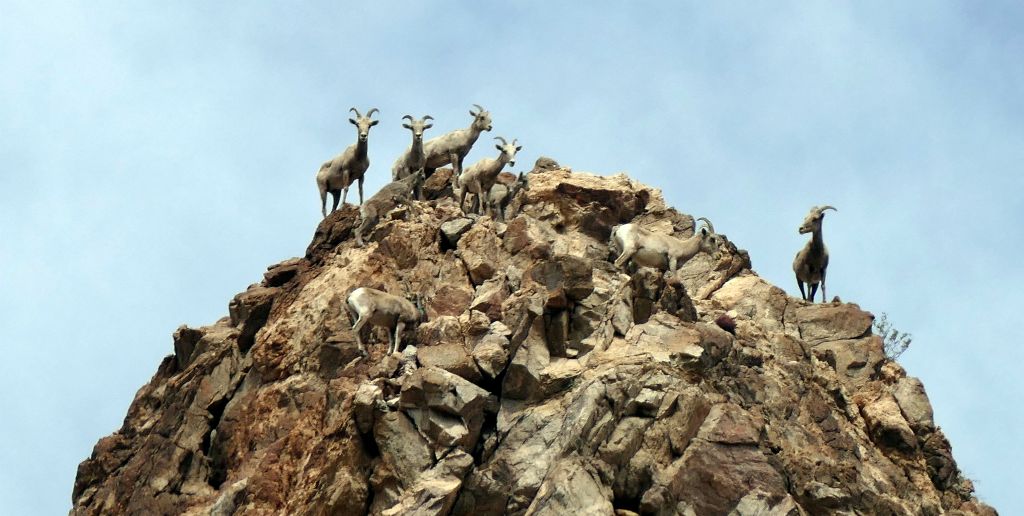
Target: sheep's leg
<point>357,328</point>
<point>801,285</point>
<point>823,296</point>
<point>462,198</point>
<point>361,191</point>
<point>334,198</point>
<point>398,336</point>
<point>478,201</point>
<point>391,342</point>
<point>323,202</point>
<point>813,288</point>
<point>456,163</point>
<point>344,195</point>
<point>627,253</point>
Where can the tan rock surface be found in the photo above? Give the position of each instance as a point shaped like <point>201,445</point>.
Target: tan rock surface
<point>544,381</point>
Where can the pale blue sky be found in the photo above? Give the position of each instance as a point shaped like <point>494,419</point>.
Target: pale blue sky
<point>157,159</point>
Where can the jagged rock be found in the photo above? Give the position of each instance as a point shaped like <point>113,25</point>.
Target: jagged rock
<point>545,163</point>
<point>489,297</point>
<point>448,300</point>
<point>369,398</point>
<point>446,407</point>
<point>453,230</point>
<point>249,311</point>
<point>572,487</point>
<point>279,274</point>
<point>405,455</point>
<point>481,251</point>
<point>886,422</point>
<point>439,184</point>
<point>619,393</point>
<point>452,356</point>
<point>825,322</point>
<point>185,340</point>
<point>436,490</point>
<point>913,402</point>
<point>491,354</point>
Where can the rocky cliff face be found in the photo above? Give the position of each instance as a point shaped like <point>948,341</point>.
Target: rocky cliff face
<point>544,381</point>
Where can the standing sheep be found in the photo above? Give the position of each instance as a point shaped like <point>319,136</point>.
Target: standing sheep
<point>811,262</point>
<point>337,174</point>
<point>372,306</point>
<point>664,252</point>
<point>480,177</point>
<point>413,159</point>
<point>454,146</point>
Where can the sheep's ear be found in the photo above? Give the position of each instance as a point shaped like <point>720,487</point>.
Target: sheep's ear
<point>407,126</point>
<point>352,121</point>
<point>496,146</point>
<point>472,114</point>
<point>373,123</point>
<point>519,148</point>
<point>704,231</point>
<point>428,126</point>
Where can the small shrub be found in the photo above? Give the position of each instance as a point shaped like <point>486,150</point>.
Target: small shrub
<point>894,342</point>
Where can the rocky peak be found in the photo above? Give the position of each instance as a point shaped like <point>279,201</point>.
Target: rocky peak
<point>543,381</point>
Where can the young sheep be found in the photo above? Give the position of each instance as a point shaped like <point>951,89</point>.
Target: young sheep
<point>812,261</point>
<point>480,177</point>
<point>337,174</point>
<point>453,147</point>
<point>369,305</point>
<point>664,252</point>
<point>413,159</point>
<point>501,195</point>
<point>389,196</point>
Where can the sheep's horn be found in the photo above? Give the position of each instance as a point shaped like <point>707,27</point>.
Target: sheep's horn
<point>371,112</point>
<point>478,108</point>
<point>514,141</point>
<point>708,222</point>
<point>503,142</point>
<point>411,119</point>
<point>356,111</point>
<point>428,117</point>
<point>823,208</point>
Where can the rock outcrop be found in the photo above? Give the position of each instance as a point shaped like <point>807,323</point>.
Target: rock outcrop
<point>543,381</point>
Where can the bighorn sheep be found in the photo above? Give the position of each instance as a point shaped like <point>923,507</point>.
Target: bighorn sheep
<point>337,174</point>
<point>369,305</point>
<point>665,252</point>
<point>453,147</point>
<point>413,159</point>
<point>480,177</point>
<point>812,261</point>
<point>389,196</point>
<point>501,195</point>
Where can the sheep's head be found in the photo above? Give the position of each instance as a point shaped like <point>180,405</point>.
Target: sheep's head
<point>363,123</point>
<point>481,119</point>
<point>508,150</point>
<point>812,222</point>
<point>710,241</point>
<point>417,126</point>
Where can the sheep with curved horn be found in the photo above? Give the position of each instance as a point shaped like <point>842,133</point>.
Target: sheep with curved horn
<point>481,176</point>
<point>644,247</point>
<point>811,262</point>
<point>337,174</point>
<point>413,159</point>
<point>454,146</point>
